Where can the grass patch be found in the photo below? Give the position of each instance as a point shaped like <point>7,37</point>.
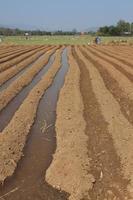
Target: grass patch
<point>54,40</point>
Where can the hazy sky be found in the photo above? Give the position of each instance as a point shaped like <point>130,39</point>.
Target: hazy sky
<point>64,14</point>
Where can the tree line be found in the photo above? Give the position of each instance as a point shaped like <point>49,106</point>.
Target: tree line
<point>19,32</point>
<point>122,28</point>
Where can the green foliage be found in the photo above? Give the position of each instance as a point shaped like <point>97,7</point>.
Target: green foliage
<point>122,28</point>
<point>64,39</point>
<point>18,32</point>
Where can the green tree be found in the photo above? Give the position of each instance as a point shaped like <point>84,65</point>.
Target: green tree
<point>123,26</point>
<point>114,31</point>
<point>104,30</point>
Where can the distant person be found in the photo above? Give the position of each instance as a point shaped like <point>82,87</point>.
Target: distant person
<point>27,36</point>
<point>97,40</point>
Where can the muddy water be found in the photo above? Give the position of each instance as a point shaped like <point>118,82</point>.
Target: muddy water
<point>7,113</point>
<point>7,83</point>
<point>28,180</point>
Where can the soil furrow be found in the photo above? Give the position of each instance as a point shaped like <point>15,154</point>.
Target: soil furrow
<point>7,113</point>
<point>13,72</point>
<point>71,153</point>
<point>124,83</point>
<point>112,84</point>
<point>125,69</point>
<point>106,128</point>
<point>124,54</point>
<point>38,150</point>
<point>14,55</point>
<point>8,55</point>
<point>9,49</point>
<point>127,61</point>
<point>119,50</point>
<point>8,94</point>
<point>15,61</point>
<point>123,57</point>
<point>13,137</point>
<point>10,52</point>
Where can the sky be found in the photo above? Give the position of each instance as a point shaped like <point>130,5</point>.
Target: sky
<point>64,14</point>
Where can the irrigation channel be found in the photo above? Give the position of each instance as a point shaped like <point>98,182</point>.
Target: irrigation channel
<point>28,181</point>
<point>7,83</point>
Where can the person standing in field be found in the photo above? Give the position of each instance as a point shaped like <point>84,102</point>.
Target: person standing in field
<point>97,40</point>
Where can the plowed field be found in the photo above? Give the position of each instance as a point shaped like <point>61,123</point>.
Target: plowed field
<point>66,122</point>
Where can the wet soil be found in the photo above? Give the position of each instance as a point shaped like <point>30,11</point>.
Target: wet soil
<point>7,113</point>
<point>7,83</point>
<point>28,182</point>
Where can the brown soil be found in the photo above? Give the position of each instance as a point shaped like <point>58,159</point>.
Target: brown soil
<point>124,68</point>
<point>16,60</point>
<point>124,137</point>
<point>126,104</point>
<point>8,94</point>
<point>7,113</point>
<point>39,148</point>
<point>126,51</point>
<point>124,83</point>
<point>9,73</point>
<point>127,60</point>
<point>10,50</point>
<point>16,54</point>
<point>105,163</point>
<point>13,137</point>
<point>69,169</point>
<point>94,124</point>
